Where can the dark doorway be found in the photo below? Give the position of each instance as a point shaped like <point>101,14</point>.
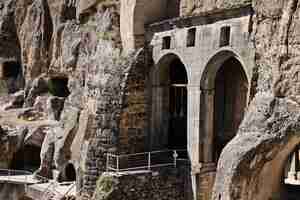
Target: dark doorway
<point>27,158</point>
<point>230,101</point>
<point>70,173</point>
<point>59,87</point>
<point>177,106</point>
<point>11,69</point>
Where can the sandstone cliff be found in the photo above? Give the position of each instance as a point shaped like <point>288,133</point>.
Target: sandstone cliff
<point>74,94</point>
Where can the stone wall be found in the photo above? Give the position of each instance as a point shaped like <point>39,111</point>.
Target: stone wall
<point>168,185</point>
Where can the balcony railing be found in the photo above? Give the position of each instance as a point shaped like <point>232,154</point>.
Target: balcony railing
<point>145,160</point>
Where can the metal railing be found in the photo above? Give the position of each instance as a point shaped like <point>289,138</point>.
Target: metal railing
<point>27,177</point>
<point>145,160</point>
<point>15,176</point>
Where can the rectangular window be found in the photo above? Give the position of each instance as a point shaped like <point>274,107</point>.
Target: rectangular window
<point>225,36</point>
<point>166,42</point>
<point>191,37</point>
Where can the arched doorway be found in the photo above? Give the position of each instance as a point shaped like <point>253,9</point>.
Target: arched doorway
<point>169,113</point>
<point>230,101</point>
<point>224,94</point>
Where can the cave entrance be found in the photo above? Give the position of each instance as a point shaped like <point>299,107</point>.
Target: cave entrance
<point>230,101</point>
<point>170,105</point>
<point>11,69</point>
<point>27,158</point>
<point>70,173</point>
<point>58,86</point>
<point>11,77</point>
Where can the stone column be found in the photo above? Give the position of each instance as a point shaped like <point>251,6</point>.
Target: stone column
<point>292,173</point>
<point>193,128</point>
<point>208,126</point>
<point>193,122</point>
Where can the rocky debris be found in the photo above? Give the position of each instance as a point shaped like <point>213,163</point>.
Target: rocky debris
<point>16,100</point>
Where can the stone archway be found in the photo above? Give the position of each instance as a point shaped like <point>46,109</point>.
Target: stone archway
<point>169,104</point>
<point>224,92</point>
<point>230,101</point>
<point>224,97</point>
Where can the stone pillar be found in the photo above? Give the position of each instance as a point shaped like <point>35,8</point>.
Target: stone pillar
<point>193,128</point>
<point>292,173</point>
<point>193,122</point>
<point>208,126</point>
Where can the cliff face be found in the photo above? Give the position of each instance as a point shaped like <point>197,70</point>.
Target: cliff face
<point>74,90</point>
<point>270,129</point>
<point>75,84</point>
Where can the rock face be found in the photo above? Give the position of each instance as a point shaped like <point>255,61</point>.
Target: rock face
<point>270,130</point>
<point>81,91</point>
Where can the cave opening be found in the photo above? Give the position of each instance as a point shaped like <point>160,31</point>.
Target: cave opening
<point>70,173</point>
<point>27,158</point>
<point>230,101</point>
<point>11,69</point>
<point>59,87</point>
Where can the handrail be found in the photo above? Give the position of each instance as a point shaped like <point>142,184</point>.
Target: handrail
<point>144,160</point>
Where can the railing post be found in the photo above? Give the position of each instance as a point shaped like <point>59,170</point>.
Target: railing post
<point>149,160</point>
<point>107,158</point>
<point>175,155</point>
<point>118,164</point>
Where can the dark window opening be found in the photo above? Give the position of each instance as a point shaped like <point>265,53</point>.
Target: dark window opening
<point>177,106</point>
<point>191,37</point>
<point>11,69</point>
<point>225,36</point>
<point>59,87</point>
<point>231,87</point>
<point>70,173</point>
<point>166,42</point>
<point>27,158</point>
